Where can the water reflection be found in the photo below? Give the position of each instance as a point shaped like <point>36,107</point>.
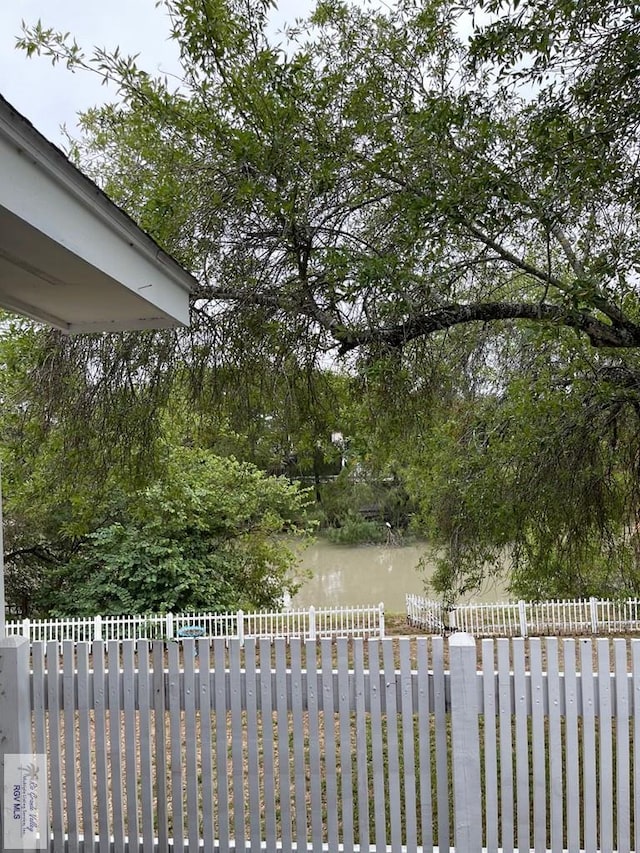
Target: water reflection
<point>368,574</point>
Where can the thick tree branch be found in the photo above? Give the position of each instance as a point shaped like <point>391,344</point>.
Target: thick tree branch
<point>38,551</point>
<point>599,333</point>
<point>598,301</point>
<point>620,375</point>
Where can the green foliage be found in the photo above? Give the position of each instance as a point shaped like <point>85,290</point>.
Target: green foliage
<point>204,535</point>
<point>357,531</point>
<point>361,487</point>
<point>537,479</point>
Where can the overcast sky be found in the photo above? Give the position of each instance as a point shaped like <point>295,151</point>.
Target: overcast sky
<point>50,96</point>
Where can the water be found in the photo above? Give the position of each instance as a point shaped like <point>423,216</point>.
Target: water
<point>369,574</point>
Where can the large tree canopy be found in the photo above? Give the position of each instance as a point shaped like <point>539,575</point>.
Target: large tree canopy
<point>373,183</point>
<point>453,216</point>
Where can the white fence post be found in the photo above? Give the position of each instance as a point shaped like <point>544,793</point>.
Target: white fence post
<point>465,743</point>
<point>453,626</point>
<point>593,608</point>
<point>408,603</point>
<point>312,623</point>
<point>240,626</point>
<point>15,707</point>
<point>97,627</point>
<point>381,618</point>
<point>522,612</point>
<point>169,626</point>
<point>26,628</point>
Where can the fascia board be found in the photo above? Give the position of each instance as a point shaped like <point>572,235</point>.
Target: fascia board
<point>42,187</point>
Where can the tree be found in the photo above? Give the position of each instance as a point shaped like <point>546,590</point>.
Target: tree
<point>386,191</point>
<point>86,534</point>
<point>541,479</point>
<point>206,535</point>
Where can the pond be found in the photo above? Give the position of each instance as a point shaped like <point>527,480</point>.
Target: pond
<point>369,574</point>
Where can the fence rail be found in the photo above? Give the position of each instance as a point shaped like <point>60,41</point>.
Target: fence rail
<point>310,624</point>
<point>527,618</point>
<point>375,745</point>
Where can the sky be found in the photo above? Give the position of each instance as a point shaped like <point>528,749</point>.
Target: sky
<point>51,96</point>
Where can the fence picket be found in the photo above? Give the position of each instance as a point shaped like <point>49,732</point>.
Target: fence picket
<point>175,748</point>
<point>589,771</point>
<point>556,773</point>
<point>70,751</point>
<point>424,709</point>
<point>160,735</point>
<point>443,793</point>
<point>538,739</point>
<point>377,756</point>
<point>393,752</point>
<point>268,767</point>
<point>237,756</point>
<point>489,747</point>
<point>101,707</point>
<point>329,735</point>
<point>521,744</point>
<point>191,762</point>
<point>622,761</point>
<point>635,672</point>
<point>85,748</point>
<point>145,704</point>
<point>572,753</point>
<point>299,743</point>
<point>54,705</point>
<point>40,718</point>
<point>344,722</point>
<point>362,765</point>
<point>313,706</point>
<point>408,747</point>
<point>605,742</point>
<point>283,751</point>
<point>506,748</point>
<point>115,745</point>
<point>253,760</point>
<point>130,738</point>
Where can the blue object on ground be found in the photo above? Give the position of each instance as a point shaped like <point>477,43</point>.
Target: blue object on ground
<point>193,631</point>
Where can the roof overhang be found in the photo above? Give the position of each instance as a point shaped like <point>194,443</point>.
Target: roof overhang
<point>69,256</point>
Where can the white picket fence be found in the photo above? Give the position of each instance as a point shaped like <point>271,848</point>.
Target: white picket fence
<point>527,618</point>
<point>349,745</point>
<point>308,624</point>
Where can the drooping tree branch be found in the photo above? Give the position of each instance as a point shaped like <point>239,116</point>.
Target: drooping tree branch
<point>422,324</point>
<point>600,334</point>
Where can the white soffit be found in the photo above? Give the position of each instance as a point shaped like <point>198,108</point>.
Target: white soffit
<point>69,256</point>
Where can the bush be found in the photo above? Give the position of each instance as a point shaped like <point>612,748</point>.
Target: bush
<point>206,535</point>
<point>357,531</point>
